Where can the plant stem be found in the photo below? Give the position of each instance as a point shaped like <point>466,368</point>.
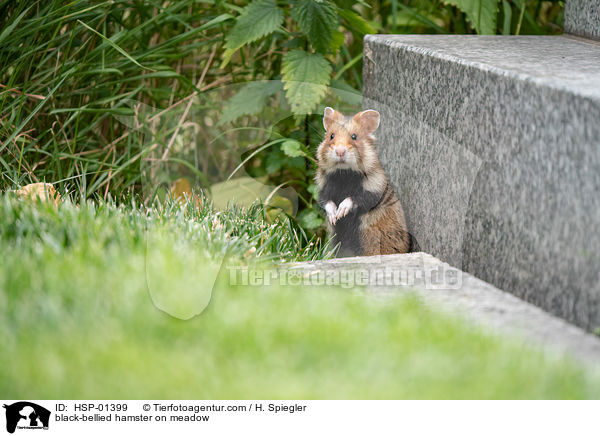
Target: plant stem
<point>521,15</point>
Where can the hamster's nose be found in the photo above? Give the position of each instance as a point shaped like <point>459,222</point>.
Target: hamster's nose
<point>340,151</point>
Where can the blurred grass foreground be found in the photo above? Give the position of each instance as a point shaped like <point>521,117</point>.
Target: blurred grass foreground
<point>77,319</point>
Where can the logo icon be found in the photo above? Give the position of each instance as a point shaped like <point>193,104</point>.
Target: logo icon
<point>26,415</point>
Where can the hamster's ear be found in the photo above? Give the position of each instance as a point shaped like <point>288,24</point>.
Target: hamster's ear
<point>368,120</point>
<point>331,116</point>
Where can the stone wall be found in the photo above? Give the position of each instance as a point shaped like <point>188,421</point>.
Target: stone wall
<point>582,18</point>
<point>493,145</point>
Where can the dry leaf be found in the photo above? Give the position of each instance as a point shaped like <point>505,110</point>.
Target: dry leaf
<point>43,191</point>
<point>181,190</point>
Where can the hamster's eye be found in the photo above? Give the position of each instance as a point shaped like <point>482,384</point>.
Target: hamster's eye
<point>332,135</point>
<point>353,136</point>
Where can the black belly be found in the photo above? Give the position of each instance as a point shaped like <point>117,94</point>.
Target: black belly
<point>347,234</point>
<point>338,186</point>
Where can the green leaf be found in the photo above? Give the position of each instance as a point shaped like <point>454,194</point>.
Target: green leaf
<point>305,77</point>
<point>337,41</point>
<point>317,20</point>
<point>249,100</point>
<point>356,22</point>
<point>482,14</point>
<point>346,93</point>
<point>278,207</point>
<point>310,219</point>
<point>298,163</point>
<point>274,162</point>
<point>282,203</point>
<point>227,53</point>
<point>409,18</point>
<point>242,191</point>
<point>259,18</point>
<point>507,17</point>
<point>314,191</point>
<point>292,148</point>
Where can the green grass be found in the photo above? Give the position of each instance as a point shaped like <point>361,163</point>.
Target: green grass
<point>70,70</point>
<point>77,321</point>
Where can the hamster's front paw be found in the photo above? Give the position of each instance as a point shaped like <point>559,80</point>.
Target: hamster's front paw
<point>344,208</point>
<point>331,210</point>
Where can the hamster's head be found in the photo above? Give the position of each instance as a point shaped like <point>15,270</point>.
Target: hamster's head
<point>349,141</point>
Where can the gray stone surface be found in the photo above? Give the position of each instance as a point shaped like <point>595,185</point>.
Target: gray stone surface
<point>582,17</point>
<point>493,145</point>
<point>463,295</point>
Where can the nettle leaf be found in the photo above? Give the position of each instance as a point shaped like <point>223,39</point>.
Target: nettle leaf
<point>250,99</point>
<point>317,20</point>
<point>259,18</point>
<point>305,77</point>
<point>482,14</point>
<point>292,148</point>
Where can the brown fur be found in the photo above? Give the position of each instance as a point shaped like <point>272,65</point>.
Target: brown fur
<point>383,228</point>
<point>387,235</point>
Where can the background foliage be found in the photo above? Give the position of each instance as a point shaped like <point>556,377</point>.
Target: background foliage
<point>107,98</point>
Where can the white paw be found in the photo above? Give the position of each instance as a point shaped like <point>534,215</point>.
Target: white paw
<point>331,211</point>
<point>344,208</point>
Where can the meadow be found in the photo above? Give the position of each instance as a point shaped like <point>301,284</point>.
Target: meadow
<point>77,319</point>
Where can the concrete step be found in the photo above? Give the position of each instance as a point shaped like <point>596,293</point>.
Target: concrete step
<point>446,288</point>
<point>493,145</point>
